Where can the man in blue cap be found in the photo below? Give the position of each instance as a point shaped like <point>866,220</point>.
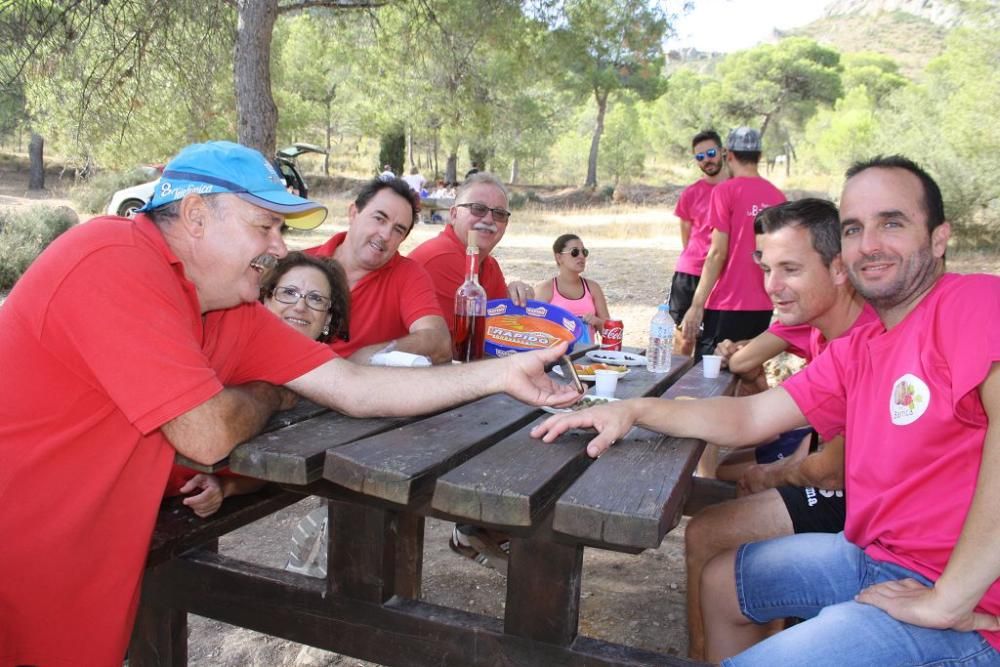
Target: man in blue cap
<point>129,341</point>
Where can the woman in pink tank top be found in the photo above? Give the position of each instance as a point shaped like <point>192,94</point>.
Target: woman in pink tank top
<point>570,290</point>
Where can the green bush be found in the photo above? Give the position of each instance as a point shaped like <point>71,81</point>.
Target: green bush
<point>93,195</point>
<point>518,200</point>
<point>24,234</point>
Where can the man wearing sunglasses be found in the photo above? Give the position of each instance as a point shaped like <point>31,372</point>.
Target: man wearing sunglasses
<point>481,205</point>
<point>696,233</point>
<point>730,299</point>
<point>393,303</point>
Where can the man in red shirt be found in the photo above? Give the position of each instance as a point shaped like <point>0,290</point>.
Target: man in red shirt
<point>480,206</point>
<point>696,232</point>
<point>126,342</point>
<point>393,304</point>
<point>730,297</point>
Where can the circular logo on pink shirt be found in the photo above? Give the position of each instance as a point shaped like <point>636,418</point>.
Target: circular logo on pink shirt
<point>909,400</point>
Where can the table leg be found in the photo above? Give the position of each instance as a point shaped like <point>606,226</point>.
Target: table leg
<point>374,553</point>
<point>159,637</point>
<point>543,590</point>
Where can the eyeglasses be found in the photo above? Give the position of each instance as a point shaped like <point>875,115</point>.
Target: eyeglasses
<point>575,252</point>
<point>480,210</point>
<point>711,152</point>
<point>291,296</point>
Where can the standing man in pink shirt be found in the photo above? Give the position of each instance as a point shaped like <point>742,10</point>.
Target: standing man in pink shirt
<point>914,578</point>
<point>730,300</point>
<point>696,232</point>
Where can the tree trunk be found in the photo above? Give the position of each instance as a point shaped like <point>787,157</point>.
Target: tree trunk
<point>515,168</point>
<point>763,126</point>
<point>409,146</point>
<point>451,168</point>
<point>595,143</point>
<point>36,178</point>
<point>256,113</point>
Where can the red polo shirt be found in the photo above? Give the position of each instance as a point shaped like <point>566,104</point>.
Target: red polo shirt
<point>444,258</point>
<point>384,303</point>
<point>101,342</point>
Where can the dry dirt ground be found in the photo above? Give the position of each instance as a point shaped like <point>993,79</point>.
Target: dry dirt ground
<point>634,600</point>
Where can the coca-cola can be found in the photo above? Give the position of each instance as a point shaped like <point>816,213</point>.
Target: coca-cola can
<point>611,335</point>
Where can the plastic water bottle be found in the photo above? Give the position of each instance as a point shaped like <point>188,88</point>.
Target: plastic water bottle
<point>661,341</point>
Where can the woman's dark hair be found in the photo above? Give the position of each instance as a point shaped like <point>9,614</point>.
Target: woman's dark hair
<point>563,241</point>
<point>340,293</point>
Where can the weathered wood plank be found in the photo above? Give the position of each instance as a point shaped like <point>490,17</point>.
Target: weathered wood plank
<point>488,489</point>
<point>400,465</point>
<point>635,493</point>
<point>406,633</point>
<point>295,454</point>
<point>302,411</point>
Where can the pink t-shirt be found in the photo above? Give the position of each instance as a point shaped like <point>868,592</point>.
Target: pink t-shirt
<point>579,307</point>
<point>908,404</point>
<point>693,207</point>
<point>733,206</point>
<point>807,341</point>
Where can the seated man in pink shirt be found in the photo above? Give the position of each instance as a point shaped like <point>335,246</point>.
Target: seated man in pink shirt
<point>798,248</point>
<point>393,304</point>
<point>730,299</point>
<point>481,205</point>
<point>913,579</point>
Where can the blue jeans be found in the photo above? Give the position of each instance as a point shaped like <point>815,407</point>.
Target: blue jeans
<point>815,576</point>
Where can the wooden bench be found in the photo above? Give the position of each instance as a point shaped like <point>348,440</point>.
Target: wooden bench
<point>474,463</point>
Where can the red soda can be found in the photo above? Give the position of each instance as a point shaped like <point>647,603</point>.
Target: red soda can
<point>611,335</point>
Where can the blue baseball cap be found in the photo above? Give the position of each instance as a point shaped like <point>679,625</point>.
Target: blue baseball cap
<point>223,166</point>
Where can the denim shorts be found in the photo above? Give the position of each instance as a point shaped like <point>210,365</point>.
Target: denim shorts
<point>815,576</point>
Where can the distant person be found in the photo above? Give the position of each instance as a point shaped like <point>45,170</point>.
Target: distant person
<point>570,290</point>
<point>730,299</point>
<point>387,173</point>
<point>415,180</point>
<point>311,296</point>
<point>440,190</point>
<point>696,231</point>
<point>394,305</point>
<point>129,341</point>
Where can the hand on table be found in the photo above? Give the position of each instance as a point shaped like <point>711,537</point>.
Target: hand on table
<point>526,380</point>
<point>519,292</point>
<point>209,500</point>
<point>910,601</point>
<point>611,420</point>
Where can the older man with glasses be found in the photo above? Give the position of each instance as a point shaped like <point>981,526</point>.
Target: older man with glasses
<point>481,205</point>
<point>696,233</point>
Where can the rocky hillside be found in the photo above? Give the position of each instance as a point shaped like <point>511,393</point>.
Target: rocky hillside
<point>911,32</point>
<point>943,13</point>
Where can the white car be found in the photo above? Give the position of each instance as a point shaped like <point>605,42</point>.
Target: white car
<point>127,201</point>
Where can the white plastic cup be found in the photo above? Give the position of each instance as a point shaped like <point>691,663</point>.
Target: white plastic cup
<point>605,383</point>
<point>711,364</point>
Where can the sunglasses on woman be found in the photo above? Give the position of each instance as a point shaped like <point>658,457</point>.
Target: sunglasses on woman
<point>575,252</point>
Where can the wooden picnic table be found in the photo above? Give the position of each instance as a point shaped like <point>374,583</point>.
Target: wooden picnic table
<point>475,464</point>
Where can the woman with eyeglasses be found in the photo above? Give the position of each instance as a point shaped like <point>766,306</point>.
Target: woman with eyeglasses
<point>307,293</point>
<point>570,290</point>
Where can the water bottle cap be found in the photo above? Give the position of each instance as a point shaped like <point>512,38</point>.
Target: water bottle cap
<point>664,306</point>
